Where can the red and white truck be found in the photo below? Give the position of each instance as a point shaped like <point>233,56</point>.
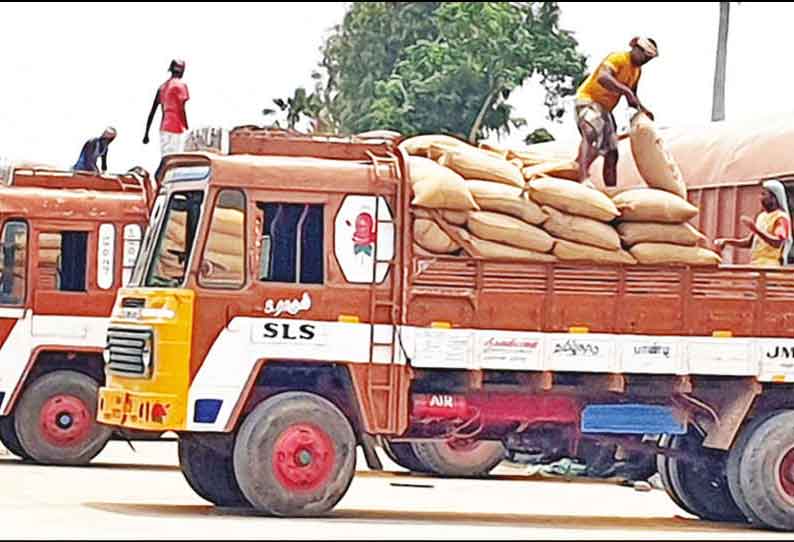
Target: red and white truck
<point>275,334</point>
<point>69,242</point>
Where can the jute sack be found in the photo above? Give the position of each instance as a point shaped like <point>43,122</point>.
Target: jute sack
<point>458,218</point>
<point>419,251</point>
<point>473,163</point>
<point>656,165</point>
<point>230,245</point>
<point>437,187</point>
<point>512,231</point>
<point>420,145</point>
<point>573,198</point>
<point>496,152</point>
<point>632,233</point>
<point>580,229</point>
<point>509,200</point>
<point>566,250</point>
<point>224,220</point>
<point>499,251</point>
<point>661,253</point>
<point>652,205</point>
<point>561,169</point>
<point>430,236</point>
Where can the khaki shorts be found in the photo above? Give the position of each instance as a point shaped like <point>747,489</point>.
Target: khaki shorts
<point>602,133</point>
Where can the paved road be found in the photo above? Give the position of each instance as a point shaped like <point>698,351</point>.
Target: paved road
<point>143,495</point>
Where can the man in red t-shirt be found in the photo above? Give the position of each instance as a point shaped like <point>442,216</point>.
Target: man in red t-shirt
<point>172,96</point>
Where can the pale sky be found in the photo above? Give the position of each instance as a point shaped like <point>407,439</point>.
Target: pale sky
<point>68,70</point>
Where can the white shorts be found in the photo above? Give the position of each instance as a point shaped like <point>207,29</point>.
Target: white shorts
<point>171,143</point>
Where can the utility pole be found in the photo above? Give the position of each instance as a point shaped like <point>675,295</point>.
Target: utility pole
<point>718,99</point>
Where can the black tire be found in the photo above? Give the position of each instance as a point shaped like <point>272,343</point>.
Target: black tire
<point>444,460</point>
<point>703,485</point>
<point>663,467</point>
<point>209,471</point>
<point>767,492</point>
<point>55,419</point>
<point>295,455</point>
<point>8,436</point>
<point>734,460</point>
<point>403,454</point>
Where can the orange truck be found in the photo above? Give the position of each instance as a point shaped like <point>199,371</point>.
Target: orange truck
<point>277,318</point>
<point>69,242</point>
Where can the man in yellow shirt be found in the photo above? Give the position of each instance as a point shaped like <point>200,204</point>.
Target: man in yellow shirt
<point>616,76</point>
<point>770,238</point>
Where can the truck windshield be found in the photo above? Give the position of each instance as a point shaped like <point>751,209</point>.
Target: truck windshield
<point>175,238</point>
<point>13,263</point>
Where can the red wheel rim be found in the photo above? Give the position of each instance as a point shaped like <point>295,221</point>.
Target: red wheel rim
<point>786,474</point>
<point>303,457</point>
<point>65,420</point>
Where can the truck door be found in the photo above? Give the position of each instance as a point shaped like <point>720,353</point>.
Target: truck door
<point>14,326</point>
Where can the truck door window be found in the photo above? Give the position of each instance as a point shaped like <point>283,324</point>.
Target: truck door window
<point>223,262</point>
<point>292,243</point>
<point>175,240</point>
<point>14,264</point>
<point>62,260</point>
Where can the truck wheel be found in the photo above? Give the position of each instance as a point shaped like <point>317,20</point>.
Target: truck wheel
<point>766,472</point>
<point>702,485</point>
<point>209,472</point>
<point>295,455</point>
<point>477,458</point>
<point>55,419</point>
<point>8,436</point>
<point>734,461</point>
<point>663,466</point>
<point>403,454</point>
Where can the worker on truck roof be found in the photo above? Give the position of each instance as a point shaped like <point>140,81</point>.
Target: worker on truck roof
<point>616,76</point>
<point>93,150</point>
<point>172,96</point>
<point>770,235</point>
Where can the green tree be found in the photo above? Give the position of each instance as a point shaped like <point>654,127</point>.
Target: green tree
<point>448,67</point>
<point>540,135</point>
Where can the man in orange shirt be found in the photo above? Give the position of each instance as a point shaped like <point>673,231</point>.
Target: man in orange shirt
<point>616,76</point>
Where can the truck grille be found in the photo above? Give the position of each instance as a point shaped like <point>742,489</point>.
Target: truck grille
<point>129,351</point>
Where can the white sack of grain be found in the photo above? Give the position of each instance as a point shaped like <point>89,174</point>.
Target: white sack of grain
<point>573,198</point>
<point>664,253</point>
<point>473,163</point>
<point>655,164</point>
<point>509,200</point>
<point>437,187</point>
<point>512,231</point>
<point>499,251</point>
<point>420,145</point>
<point>632,233</point>
<point>653,205</point>
<point>580,229</point>
<point>430,236</point>
<point>568,251</point>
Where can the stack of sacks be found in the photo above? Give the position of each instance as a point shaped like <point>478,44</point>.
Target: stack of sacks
<point>579,217</point>
<point>480,202</point>
<point>654,221</point>
<point>224,249</point>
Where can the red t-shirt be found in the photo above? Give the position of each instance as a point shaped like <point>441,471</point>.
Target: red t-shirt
<point>173,95</point>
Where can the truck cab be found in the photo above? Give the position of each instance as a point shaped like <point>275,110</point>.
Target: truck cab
<point>69,242</point>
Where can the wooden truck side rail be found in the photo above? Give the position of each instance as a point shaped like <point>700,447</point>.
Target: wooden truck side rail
<point>660,300</point>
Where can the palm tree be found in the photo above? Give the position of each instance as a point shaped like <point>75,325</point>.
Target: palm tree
<point>718,100</point>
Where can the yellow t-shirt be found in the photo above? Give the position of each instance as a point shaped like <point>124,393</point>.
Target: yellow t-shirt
<point>762,253</point>
<point>626,72</point>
